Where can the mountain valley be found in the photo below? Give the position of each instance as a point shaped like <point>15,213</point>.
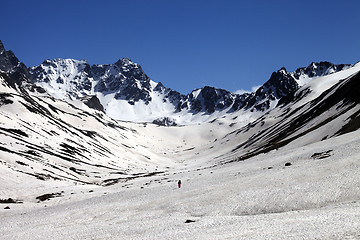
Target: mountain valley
<point>95,152</point>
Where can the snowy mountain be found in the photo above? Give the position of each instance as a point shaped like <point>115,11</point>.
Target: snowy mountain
<point>127,93</point>
<point>124,92</point>
<point>279,162</point>
<point>122,88</point>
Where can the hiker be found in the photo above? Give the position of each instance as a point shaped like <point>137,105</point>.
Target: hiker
<point>179,183</point>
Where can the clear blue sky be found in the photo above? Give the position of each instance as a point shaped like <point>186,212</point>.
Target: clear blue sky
<point>186,44</point>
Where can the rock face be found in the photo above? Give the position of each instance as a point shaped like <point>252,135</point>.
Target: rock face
<point>165,121</point>
<point>283,83</point>
<point>124,87</point>
<point>10,64</point>
<point>125,78</point>
<point>93,102</point>
<point>63,78</point>
<point>319,69</point>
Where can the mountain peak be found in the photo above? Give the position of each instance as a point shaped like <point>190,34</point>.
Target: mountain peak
<point>2,48</point>
<point>10,64</point>
<point>125,62</point>
<point>283,70</point>
<point>317,69</point>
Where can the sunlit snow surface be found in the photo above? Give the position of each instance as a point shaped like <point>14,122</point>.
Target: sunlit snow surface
<point>311,199</point>
<point>123,182</point>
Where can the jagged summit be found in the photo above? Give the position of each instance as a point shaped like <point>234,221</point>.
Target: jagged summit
<point>282,83</point>
<point>8,61</point>
<point>318,69</point>
<point>10,64</point>
<point>125,62</point>
<point>2,48</point>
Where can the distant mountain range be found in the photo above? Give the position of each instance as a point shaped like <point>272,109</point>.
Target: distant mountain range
<point>124,92</point>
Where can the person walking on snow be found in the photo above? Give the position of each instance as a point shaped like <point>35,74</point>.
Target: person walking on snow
<point>179,183</point>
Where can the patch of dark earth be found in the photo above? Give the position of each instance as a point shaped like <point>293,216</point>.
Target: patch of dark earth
<point>10,200</point>
<point>49,196</point>
<point>321,155</point>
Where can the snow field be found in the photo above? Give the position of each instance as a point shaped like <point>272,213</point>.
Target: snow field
<point>259,198</point>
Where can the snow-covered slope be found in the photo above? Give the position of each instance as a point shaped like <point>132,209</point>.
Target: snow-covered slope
<point>260,198</point>
<point>49,139</point>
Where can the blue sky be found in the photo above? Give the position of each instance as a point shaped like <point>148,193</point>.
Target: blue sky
<point>186,44</point>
